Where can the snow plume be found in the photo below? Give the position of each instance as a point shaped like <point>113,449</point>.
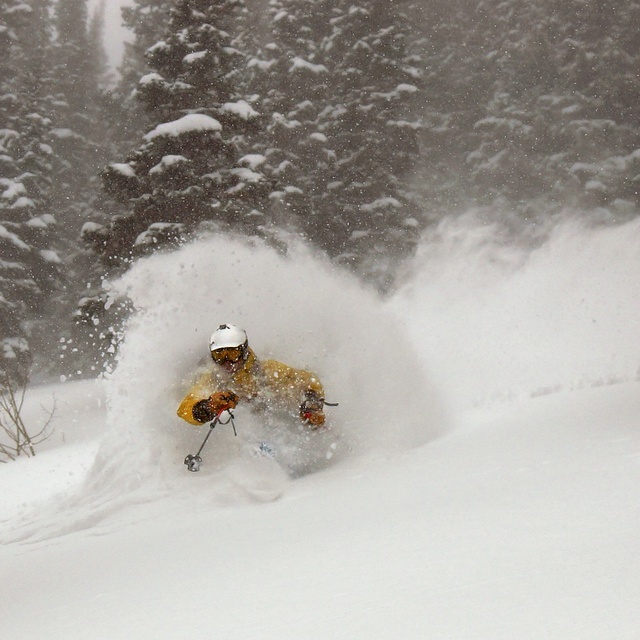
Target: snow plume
<point>500,312</point>
<point>296,308</point>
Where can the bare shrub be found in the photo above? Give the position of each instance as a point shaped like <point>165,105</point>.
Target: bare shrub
<point>15,438</point>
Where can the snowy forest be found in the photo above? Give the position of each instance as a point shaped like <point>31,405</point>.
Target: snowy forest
<point>353,124</point>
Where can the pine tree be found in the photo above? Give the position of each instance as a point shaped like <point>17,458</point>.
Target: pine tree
<point>560,95</point>
<point>196,165</point>
<point>29,265</point>
<point>147,20</point>
<point>99,60</point>
<point>339,81</point>
<point>599,54</point>
<point>79,138</point>
<point>288,73</point>
<point>369,125</point>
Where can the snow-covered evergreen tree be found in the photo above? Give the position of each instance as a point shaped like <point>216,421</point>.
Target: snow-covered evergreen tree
<point>532,100</point>
<point>599,57</point>
<point>339,82</point>
<point>79,137</point>
<point>64,73</point>
<point>196,165</point>
<point>147,20</point>
<point>369,125</point>
<point>28,263</point>
<point>96,37</point>
<point>294,83</point>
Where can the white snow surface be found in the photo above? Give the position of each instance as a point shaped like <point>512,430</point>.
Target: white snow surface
<point>241,108</point>
<point>123,168</point>
<point>479,480</point>
<point>186,124</point>
<point>300,63</point>
<point>253,160</point>
<point>166,162</point>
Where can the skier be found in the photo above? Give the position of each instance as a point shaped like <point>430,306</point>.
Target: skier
<point>237,375</point>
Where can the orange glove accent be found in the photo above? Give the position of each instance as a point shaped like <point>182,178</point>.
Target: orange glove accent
<point>223,401</point>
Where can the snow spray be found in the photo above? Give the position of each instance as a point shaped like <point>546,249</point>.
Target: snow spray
<point>297,308</point>
<point>500,311</point>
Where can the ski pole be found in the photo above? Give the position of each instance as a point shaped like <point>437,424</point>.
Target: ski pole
<point>193,461</point>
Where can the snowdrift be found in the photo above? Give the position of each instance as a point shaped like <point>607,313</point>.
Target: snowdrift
<point>485,314</point>
<point>297,308</point>
<point>502,312</point>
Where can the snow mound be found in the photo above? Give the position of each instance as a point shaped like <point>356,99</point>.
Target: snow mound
<point>505,314</point>
<point>297,308</point>
<point>186,124</point>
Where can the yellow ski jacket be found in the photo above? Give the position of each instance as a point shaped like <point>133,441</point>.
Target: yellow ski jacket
<point>264,384</point>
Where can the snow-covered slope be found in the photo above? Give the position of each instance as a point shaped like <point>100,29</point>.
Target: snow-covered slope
<point>484,467</point>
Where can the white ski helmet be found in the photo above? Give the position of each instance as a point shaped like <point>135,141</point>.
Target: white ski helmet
<point>228,336</point>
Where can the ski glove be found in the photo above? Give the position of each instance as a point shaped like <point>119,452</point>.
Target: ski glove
<point>207,409</point>
<point>311,410</point>
<point>315,419</point>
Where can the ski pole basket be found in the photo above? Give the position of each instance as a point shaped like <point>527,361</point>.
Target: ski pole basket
<point>193,461</point>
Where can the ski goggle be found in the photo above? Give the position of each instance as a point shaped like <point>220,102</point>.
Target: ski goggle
<point>228,354</point>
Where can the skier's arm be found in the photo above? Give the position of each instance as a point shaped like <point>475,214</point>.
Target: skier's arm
<point>205,400</point>
<point>300,388</point>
